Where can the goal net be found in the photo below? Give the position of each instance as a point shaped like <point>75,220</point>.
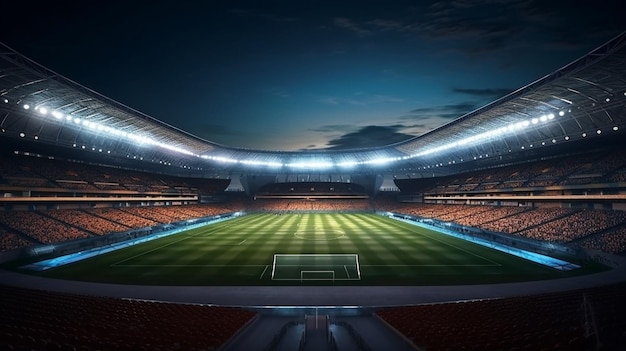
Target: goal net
<point>306,267</point>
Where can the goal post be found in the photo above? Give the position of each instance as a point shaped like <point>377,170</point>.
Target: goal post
<point>306,267</point>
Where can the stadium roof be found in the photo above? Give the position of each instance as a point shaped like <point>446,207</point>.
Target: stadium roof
<point>585,99</point>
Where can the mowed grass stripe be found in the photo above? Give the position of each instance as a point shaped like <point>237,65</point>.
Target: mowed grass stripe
<point>390,252</point>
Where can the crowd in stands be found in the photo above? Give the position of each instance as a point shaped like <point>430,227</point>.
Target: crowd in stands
<point>10,240</point>
<point>61,225</point>
<point>40,320</point>
<point>612,241</point>
<point>41,228</point>
<point>527,219</point>
<point>316,205</point>
<point>593,168</point>
<point>84,220</point>
<point>590,319</point>
<point>121,218</point>
<point>42,172</point>
<point>576,225</point>
<point>548,224</point>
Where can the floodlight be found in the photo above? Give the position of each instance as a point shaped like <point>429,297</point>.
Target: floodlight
<point>616,128</point>
<point>566,138</point>
<point>543,118</point>
<point>6,101</point>
<point>561,113</point>
<point>551,116</point>
<point>22,134</point>
<point>57,114</point>
<point>599,131</point>
<point>43,110</point>
<point>26,107</point>
<point>77,120</point>
<point>535,120</point>
<point>584,135</point>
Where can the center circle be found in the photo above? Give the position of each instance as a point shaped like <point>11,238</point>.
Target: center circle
<point>319,234</point>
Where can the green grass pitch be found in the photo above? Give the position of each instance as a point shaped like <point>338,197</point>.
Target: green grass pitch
<point>307,249</point>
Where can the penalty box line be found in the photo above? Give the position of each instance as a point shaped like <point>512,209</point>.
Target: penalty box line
<point>307,265</point>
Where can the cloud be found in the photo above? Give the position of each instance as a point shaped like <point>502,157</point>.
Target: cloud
<point>369,136</point>
<point>278,92</point>
<point>331,128</point>
<point>360,99</point>
<point>480,27</point>
<point>449,111</point>
<point>351,26</point>
<point>492,93</point>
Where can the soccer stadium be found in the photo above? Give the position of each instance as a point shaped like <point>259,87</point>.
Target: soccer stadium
<point>503,229</point>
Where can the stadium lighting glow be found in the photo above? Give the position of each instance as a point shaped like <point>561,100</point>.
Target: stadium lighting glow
<point>481,137</point>
<point>22,134</point>
<point>222,159</point>
<point>310,164</point>
<point>379,161</point>
<point>97,127</point>
<point>616,128</point>
<point>584,135</point>
<point>6,101</point>
<point>561,113</point>
<point>599,131</point>
<point>347,164</point>
<point>261,163</point>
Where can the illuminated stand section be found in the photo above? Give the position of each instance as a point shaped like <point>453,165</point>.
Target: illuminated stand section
<point>528,255</point>
<point>83,255</point>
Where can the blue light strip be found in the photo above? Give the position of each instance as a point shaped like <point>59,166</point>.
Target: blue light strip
<point>83,255</point>
<point>528,255</point>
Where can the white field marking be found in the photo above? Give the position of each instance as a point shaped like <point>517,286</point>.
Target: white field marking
<point>160,247</point>
<point>261,277</point>
<point>431,265</point>
<point>273,266</point>
<point>346,268</point>
<point>187,265</point>
<point>445,243</point>
<point>242,241</point>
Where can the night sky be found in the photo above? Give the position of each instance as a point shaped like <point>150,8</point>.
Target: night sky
<point>297,75</point>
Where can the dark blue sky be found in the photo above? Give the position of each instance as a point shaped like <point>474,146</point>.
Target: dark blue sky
<point>295,75</point>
